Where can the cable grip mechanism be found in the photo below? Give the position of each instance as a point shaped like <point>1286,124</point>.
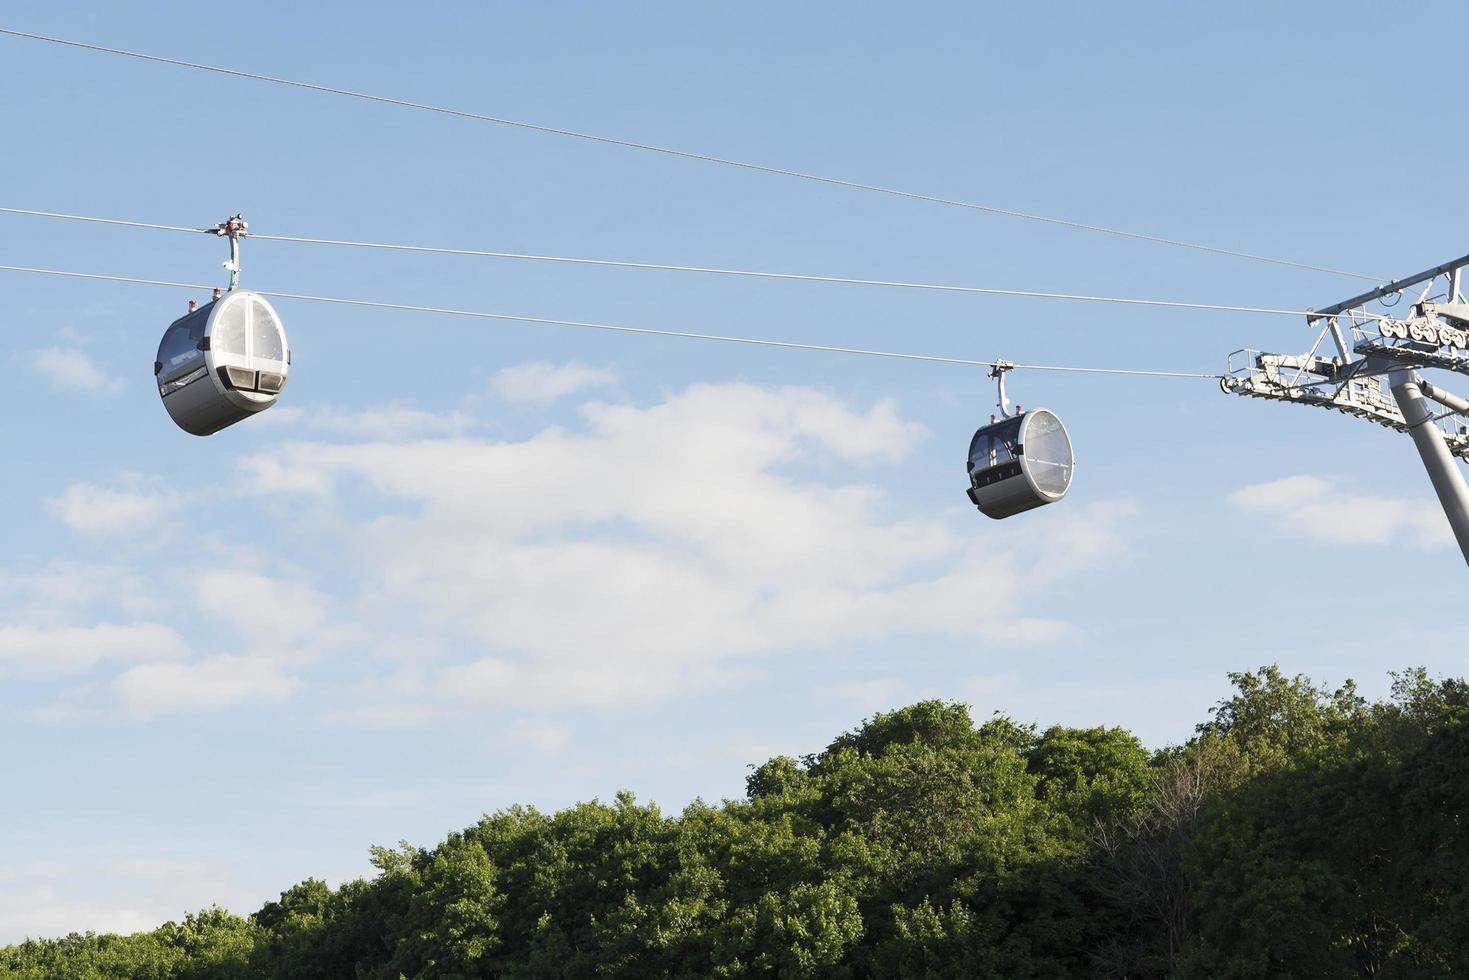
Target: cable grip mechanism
<point>998,370</point>
<point>234,229</point>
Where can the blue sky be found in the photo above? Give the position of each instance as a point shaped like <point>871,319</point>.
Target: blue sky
<point>466,564</point>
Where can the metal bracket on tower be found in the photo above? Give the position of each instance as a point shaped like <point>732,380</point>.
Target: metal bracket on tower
<point>234,229</point>
<point>1433,334</point>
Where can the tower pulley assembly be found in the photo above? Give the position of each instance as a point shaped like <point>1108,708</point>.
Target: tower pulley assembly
<point>1373,374</point>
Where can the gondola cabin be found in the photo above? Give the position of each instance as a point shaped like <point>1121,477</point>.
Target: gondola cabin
<point>222,362</point>
<point>1019,463</point>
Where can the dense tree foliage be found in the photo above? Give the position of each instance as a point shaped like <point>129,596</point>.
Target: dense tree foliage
<point>1301,833</point>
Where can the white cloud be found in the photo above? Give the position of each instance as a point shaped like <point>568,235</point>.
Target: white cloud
<point>100,511</point>
<point>63,592</point>
<point>544,738</point>
<point>647,553</point>
<point>268,474</point>
<point>668,549</point>
<point>268,611</point>
<point>45,900</point>
<point>1079,536</point>
<point>881,436</point>
<point>741,749</point>
<point>985,691</point>
<point>69,369</point>
<point>394,698</point>
<point>384,715</point>
<point>391,421</point>
<point>541,383</point>
<point>1314,508</point>
<point>483,681</point>
<point>872,694</point>
<point>33,651</point>
<point>145,669</point>
<point>214,682</point>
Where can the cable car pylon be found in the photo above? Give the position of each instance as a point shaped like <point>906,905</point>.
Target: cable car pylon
<point>1373,374</point>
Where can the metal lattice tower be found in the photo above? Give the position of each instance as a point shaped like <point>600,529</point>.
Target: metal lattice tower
<point>1371,371</point>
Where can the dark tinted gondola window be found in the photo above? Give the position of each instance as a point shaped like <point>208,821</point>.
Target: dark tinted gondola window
<point>183,380</point>
<point>180,343</point>
<point>993,444</point>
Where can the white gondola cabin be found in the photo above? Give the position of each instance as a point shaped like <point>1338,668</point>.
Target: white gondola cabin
<point>1019,463</point>
<point>222,362</point>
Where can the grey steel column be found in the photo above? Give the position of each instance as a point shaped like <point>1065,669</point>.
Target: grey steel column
<point>1443,469</point>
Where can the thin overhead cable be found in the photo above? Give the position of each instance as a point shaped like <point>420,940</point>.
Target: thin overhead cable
<point>105,221</point>
<point>686,154</point>
<point>615,328</point>
<point>799,277</point>
<point>666,267</point>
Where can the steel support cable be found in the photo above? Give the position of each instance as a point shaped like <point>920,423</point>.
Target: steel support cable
<point>686,154</point>
<point>668,267</point>
<point>106,221</point>
<point>788,276</point>
<point>614,328</point>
